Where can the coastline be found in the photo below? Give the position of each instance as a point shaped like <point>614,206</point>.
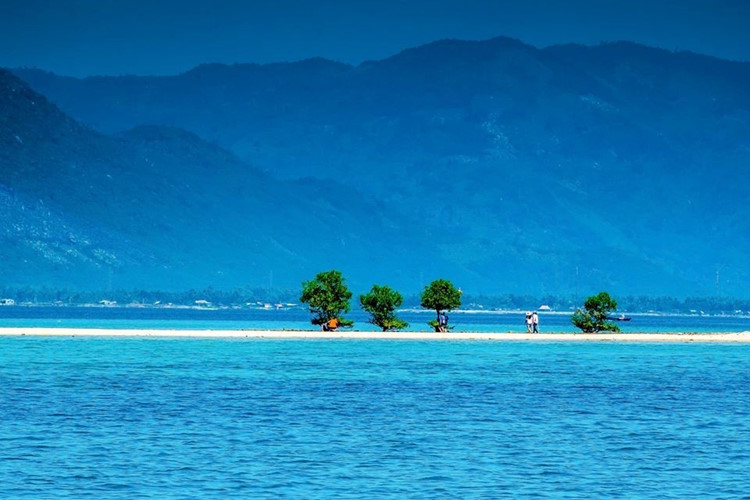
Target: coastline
<point>720,337</point>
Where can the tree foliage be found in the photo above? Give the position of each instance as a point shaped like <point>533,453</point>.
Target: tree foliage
<point>593,317</point>
<point>440,295</point>
<point>327,297</point>
<point>381,302</point>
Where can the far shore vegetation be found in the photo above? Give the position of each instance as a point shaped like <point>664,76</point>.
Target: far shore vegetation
<point>289,297</point>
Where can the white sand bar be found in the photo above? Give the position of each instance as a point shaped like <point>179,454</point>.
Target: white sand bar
<point>736,337</point>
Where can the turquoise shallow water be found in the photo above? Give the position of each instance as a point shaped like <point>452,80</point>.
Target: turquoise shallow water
<point>299,319</point>
<point>197,418</point>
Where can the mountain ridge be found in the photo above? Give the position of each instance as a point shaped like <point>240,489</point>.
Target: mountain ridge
<point>172,211</point>
<point>534,165</point>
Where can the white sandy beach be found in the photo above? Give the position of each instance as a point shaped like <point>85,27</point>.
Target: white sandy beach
<point>734,337</point>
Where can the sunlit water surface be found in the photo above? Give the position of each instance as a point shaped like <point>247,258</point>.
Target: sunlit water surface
<point>201,418</point>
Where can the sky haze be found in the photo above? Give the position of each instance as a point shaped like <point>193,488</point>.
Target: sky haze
<point>114,37</point>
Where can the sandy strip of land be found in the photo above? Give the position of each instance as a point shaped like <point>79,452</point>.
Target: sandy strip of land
<point>743,337</point>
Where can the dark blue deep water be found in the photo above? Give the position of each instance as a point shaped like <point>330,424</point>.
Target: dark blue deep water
<point>236,418</point>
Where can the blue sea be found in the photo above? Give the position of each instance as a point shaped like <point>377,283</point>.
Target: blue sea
<point>156,418</point>
<point>299,319</point>
<point>250,418</point>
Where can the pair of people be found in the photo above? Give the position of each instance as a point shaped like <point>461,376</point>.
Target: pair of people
<point>532,322</point>
<point>442,322</point>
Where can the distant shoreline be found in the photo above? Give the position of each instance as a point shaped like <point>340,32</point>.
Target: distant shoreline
<point>720,337</point>
<point>271,307</point>
<point>410,310</point>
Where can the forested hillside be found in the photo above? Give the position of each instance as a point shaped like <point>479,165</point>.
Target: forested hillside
<point>159,208</point>
<point>503,166</point>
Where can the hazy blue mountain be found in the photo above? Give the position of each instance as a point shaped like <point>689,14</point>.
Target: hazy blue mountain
<point>539,171</point>
<point>159,208</point>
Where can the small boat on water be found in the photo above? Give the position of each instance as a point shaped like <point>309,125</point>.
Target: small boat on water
<point>621,317</point>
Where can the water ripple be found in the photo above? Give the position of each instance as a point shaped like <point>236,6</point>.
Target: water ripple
<point>118,418</point>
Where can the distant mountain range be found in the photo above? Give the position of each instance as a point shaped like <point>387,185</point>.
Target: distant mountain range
<point>503,167</point>
<point>159,208</point>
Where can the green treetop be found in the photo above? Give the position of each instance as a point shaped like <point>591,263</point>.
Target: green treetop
<point>328,298</point>
<point>593,317</point>
<point>441,296</point>
<point>381,302</point>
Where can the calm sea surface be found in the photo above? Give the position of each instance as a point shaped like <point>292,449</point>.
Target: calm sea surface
<point>299,319</point>
<point>144,418</point>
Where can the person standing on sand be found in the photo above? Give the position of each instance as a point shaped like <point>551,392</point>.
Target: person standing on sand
<point>443,322</point>
<point>528,322</point>
<point>535,322</point>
